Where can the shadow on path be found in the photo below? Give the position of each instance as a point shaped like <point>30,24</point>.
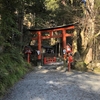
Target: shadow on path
<point>55,85</point>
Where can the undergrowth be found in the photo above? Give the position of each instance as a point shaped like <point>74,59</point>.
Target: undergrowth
<point>12,68</point>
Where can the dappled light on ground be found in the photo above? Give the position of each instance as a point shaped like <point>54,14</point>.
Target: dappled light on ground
<point>55,85</point>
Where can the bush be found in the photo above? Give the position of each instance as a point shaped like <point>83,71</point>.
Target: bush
<point>80,66</point>
<point>96,70</point>
<point>12,68</point>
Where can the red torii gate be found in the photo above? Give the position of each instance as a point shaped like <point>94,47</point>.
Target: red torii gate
<point>50,30</point>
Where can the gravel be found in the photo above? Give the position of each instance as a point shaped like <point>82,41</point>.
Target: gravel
<point>51,84</point>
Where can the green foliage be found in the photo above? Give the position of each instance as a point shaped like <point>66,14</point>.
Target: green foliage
<point>80,66</point>
<point>51,5</point>
<point>12,65</point>
<point>97,15</point>
<point>12,68</point>
<point>96,70</point>
<point>1,40</point>
<point>97,4</point>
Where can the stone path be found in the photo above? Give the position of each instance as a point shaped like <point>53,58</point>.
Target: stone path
<point>51,84</point>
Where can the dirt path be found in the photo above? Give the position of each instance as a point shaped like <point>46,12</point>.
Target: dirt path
<point>56,85</point>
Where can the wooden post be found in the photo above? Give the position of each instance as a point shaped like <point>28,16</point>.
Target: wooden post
<point>28,57</point>
<point>28,52</point>
<point>69,64</point>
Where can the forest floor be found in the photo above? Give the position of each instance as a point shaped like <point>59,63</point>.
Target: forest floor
<point>52,84</point>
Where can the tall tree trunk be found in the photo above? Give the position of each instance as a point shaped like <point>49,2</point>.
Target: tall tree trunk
<point>74,44</point>
<point>88,31</point>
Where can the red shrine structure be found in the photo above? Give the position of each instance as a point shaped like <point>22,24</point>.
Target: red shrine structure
<point>40,37</point>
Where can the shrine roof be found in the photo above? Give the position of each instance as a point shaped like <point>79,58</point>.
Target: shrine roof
<point>58,27</point>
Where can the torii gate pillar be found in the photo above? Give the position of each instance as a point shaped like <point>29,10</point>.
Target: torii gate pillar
<point>39,44</point>
<point>64,40</point>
